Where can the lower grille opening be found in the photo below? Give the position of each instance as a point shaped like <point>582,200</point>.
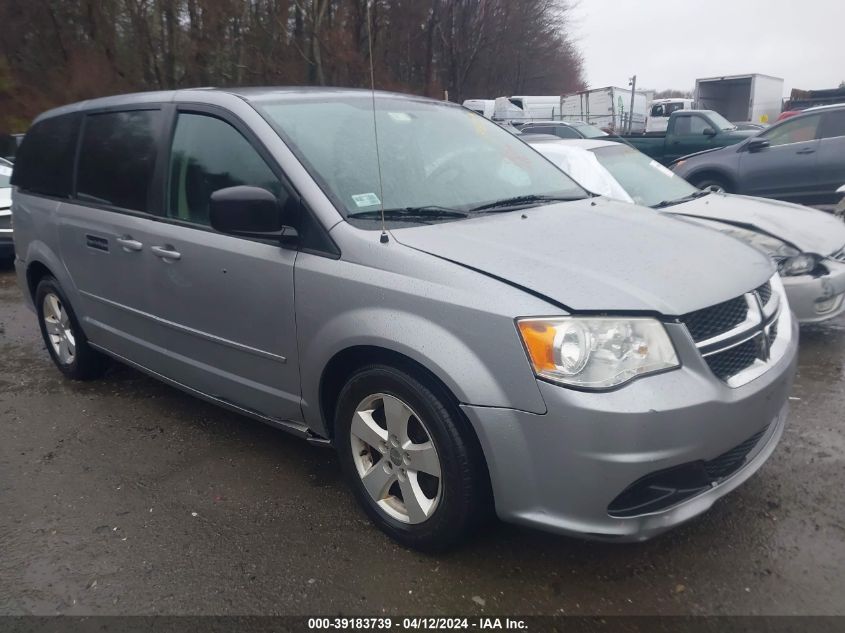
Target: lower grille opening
<point>665,488</point>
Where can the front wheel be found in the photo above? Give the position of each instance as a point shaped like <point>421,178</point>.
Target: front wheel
<point>411,458</point>
<point>717,185</point>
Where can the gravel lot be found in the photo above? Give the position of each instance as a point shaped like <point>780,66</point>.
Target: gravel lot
<point>125,496</point>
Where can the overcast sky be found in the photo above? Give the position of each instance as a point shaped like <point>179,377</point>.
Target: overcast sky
<point>670,43</point>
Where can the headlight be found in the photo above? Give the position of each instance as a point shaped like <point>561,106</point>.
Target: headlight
<point>771,246</point>
<point>798,264</point>
<point>596,352</point>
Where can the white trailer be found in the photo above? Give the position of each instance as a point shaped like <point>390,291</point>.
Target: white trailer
<point>606,108</point>
<point>484,107</point>
<point>753,97</point>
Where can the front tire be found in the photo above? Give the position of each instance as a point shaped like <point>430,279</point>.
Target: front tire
<point>713,183</point>
<point>62,335</point>
<point>412,459</point>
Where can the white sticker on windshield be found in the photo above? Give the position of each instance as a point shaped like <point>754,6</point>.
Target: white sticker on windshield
<point>5,171</point>
<point>400,117</point>
<point>661,168</point>
<point>366,199</point>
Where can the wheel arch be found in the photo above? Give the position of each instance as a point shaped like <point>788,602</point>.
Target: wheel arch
<point>716,174</point>
<point>348,360</point>
<point>35,272</point>
<point>345,362</point>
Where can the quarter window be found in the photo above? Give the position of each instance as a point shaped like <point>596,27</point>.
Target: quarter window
<point>44,162</point>
<point>799,130</point>
<point>208,154</point>
<point>117,158</point>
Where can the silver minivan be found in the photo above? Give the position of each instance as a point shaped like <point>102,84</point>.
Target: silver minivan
<point>403,280</point>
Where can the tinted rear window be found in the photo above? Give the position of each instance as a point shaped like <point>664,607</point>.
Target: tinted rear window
<point>117,158</point>
<point>44,162</point>
<point>833,124</point>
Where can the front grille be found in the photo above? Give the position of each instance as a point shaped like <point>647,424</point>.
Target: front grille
<point>5,221</point>
<point>665,488</point>
<point>708,322</point>
<point>773,333</point>
<point>733,360</point>
<point>764,292</point>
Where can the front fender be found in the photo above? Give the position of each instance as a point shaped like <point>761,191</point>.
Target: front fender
<point>460,337</point>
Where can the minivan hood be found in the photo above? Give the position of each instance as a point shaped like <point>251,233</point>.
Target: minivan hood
<point>810,230</point>
<point>600,255</point>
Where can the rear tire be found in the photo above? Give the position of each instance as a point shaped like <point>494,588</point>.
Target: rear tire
<point>395,433</point>
<point>62,335</point>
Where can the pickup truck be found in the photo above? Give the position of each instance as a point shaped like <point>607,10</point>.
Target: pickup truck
<point>688,132</point>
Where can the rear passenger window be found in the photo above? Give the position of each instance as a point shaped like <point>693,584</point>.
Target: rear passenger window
<point>117,158</point>
<point>833,124</point>
<point>44,162</point>
<point>209,154</point>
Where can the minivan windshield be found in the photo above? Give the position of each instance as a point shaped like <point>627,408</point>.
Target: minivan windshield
<point>645,180</point>
<point>438,162</point>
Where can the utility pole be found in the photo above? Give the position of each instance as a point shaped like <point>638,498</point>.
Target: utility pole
<point>633,83</point>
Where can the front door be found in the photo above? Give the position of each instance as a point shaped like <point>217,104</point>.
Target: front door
<point>224,305</point>
<point>688,136</point>
<point>787,168</point>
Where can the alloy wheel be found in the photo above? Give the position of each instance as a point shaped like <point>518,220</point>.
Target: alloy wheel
<point>59,329</point>
<point>395,457</point>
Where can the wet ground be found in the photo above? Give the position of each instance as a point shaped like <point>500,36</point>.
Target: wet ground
<point>125,496</point>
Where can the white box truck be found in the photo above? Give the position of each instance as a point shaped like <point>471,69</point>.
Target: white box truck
<point>606,108</point>
<point>754,97</point>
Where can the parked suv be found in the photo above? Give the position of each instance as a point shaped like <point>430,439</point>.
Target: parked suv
<point>466,325</point>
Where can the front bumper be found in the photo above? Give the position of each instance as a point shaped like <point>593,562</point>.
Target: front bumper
<point>815,299</point>
<point>560,471</point>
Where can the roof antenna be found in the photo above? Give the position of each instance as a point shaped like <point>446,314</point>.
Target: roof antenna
<point>383,239</point>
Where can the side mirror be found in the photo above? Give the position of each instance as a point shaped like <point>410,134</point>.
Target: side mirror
<point>757,144</point>
<point>709,131</point>
<point>247,212</point>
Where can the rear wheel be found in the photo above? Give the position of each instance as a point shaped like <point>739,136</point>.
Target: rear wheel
<point>62,335</point>
<point>411,458</point>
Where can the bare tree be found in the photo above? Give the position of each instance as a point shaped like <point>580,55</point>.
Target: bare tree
<point>56,51</point>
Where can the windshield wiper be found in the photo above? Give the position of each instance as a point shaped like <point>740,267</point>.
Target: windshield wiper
<point>692,196</point>
<point>522,201</point>
<point>411,214</point>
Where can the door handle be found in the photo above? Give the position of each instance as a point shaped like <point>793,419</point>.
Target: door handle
<point>167,253</point>
<point>128,244</point>
<point>806,150</point>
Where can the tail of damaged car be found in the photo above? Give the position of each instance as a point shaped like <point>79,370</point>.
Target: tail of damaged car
<point>501,339</point>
